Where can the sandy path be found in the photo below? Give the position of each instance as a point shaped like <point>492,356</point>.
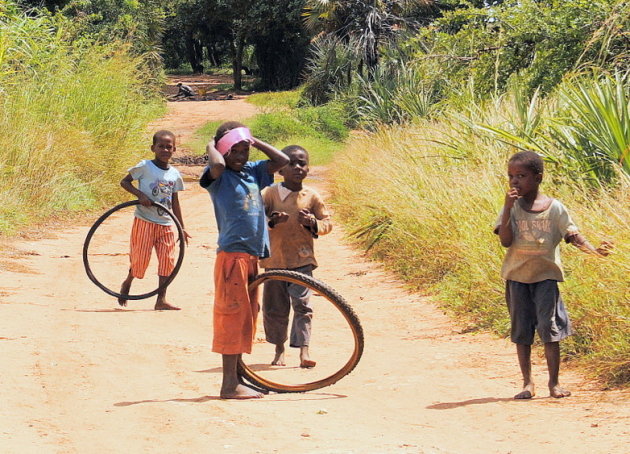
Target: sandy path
<point>81,376</point>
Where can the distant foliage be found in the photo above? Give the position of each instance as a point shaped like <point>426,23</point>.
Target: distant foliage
<point>538,41</point>
<point>139,24</point>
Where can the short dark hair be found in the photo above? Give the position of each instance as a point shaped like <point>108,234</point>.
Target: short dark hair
<point>533,161</point>
<point>162,133</point>
<point>292,148</point>
<point>225,128</point>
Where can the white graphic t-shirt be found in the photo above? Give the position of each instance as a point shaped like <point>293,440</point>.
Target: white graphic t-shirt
<point>534,255</point>
<point>159,185</point>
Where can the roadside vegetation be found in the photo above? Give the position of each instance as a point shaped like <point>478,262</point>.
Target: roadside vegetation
<point>441,113</point>
<point>73,114</point>
<point>435,190</point>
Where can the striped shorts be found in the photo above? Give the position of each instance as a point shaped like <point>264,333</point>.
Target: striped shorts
<point>144,237</point>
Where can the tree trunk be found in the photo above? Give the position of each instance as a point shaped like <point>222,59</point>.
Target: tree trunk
<point>194,53</point>
<point>237,61</point>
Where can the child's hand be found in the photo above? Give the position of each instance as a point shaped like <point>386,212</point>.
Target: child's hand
<point>306,218</point>
<point>144,200</point>
<point>511,197</point>
<point>186,236</point>
<point>605,248</point>
<point>278,217</point>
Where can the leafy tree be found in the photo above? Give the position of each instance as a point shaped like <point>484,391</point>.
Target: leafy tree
<point>280,42</point>
<point>224,29</point>
<point>137,23</point>
<point>370,22</point>
<point>540,41</point>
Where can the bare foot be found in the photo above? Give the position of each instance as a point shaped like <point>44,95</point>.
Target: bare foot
<point>527,393</point>
<point>124,290</point>
<point>558,392</point>
<point>166,307</point>
<point>305,359</point>
<point>241,392</point>
<point>278,359</point>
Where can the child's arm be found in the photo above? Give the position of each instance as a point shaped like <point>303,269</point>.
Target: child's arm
<point>274,217</point>
<point>277,158</point>
<point>577,240</point>
<point>127,185</point>
<point>318,219</point>
<point>277,217</point>
<point>177,211</point>
<point>309,221</point>
<point>505,228</point>
<point>215,161</point>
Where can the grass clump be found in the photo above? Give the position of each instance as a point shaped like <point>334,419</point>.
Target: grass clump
<point>435,191</point>
<point>276,100</point>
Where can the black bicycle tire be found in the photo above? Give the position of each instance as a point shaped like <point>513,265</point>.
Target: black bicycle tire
<point>340,303</point>
<point>101,219</point>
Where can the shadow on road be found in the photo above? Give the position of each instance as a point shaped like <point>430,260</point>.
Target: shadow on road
<point>465,403</point>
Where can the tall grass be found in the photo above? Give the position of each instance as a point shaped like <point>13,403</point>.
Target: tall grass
<point>73,117</point>
<point>435,191</point>
<point>586,123</point>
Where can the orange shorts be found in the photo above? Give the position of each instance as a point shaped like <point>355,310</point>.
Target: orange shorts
<point>235,307</point>
<point>144,237</point>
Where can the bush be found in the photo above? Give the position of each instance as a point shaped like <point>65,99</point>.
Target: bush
<point>330,69</point>
<point>538,41</point>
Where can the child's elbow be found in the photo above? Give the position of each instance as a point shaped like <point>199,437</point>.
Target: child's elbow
<point>283,160</point>
<point>506,242</point>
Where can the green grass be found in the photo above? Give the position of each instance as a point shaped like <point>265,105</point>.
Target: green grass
<point>275,100</point>
<point>428,213</point>
<point>320,130</point>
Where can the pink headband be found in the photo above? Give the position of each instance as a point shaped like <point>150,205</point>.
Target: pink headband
<point>225,143</point>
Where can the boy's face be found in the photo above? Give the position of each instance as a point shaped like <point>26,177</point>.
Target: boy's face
<point>164,147</point>
<point>238,155</point>
<point>297,168</point>
<point>523,179</point>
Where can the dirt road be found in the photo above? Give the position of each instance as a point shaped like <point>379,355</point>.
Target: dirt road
<point>80,375</point>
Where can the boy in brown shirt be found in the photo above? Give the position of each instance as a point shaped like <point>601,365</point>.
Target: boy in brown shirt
<point>297,214</point>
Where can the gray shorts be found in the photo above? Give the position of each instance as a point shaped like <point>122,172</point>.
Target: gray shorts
<point>537,307</point>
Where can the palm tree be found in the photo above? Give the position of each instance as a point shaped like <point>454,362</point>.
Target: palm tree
<point>370,22</point>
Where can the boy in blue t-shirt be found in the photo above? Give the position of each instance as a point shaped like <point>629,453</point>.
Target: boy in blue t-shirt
<point>152,228</point>
<point>234,184</point>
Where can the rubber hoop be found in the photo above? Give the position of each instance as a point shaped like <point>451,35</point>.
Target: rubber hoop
<point>99,221</point>
<point>336,300</point>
